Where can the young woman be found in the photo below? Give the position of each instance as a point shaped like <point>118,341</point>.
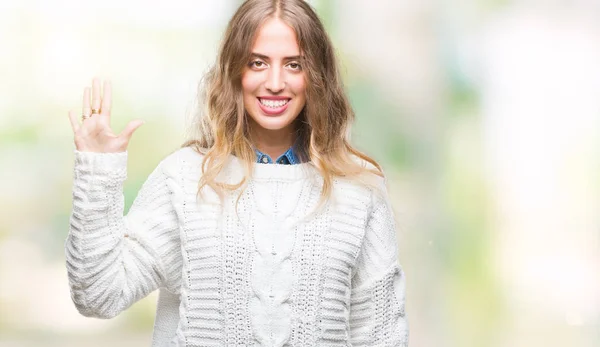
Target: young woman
<point>267,228</point>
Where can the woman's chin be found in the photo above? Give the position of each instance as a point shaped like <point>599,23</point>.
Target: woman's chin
<point>273,125</point>
<point>271,122</point>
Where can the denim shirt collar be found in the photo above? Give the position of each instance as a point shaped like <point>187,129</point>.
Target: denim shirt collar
<point>288,158</point>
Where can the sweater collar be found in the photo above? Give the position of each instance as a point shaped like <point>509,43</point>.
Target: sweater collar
<point>262,171</point>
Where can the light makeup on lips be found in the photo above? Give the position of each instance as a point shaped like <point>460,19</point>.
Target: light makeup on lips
<point>273,105</point>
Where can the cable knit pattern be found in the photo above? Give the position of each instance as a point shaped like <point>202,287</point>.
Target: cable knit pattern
<point>267,272</point>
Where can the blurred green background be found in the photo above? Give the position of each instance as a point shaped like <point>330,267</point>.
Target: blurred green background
<point>484,114</point>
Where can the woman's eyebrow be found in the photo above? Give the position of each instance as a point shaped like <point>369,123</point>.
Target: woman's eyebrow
<point>264,57</point>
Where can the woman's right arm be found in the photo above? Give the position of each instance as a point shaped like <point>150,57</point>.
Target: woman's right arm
<point>114,260</point>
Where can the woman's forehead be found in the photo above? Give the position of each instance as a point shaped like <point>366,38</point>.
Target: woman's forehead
<point>276,40</point>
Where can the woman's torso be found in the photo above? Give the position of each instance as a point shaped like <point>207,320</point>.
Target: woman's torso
<point>269,274</point>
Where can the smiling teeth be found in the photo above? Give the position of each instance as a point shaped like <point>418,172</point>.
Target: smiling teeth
<point>273,103</point>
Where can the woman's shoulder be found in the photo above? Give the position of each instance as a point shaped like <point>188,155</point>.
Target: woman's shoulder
<point>371,182</point>
<point>372,171</point>
<point>188,160</point>
<point>189,155</point>
<point>181,159</point>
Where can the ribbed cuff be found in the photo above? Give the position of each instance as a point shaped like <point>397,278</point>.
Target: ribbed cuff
<point>113,165</point>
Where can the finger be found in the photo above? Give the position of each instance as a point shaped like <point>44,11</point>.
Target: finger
<point>130,128</point>
<point>74,121</point>
<point>96,97</point>
<point>106,98</point>
<point>87,110</point>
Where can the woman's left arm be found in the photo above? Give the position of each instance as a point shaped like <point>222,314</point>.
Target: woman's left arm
<point>377,311</point>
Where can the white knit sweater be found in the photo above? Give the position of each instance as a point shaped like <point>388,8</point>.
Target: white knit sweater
<point>271,275</point>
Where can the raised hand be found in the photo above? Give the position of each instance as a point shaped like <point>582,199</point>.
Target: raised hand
<point>93,133</point>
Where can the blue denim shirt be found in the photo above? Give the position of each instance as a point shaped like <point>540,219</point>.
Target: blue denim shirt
<point>287,158</point>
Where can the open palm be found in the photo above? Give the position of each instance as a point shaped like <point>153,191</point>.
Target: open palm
<point>94,134</point>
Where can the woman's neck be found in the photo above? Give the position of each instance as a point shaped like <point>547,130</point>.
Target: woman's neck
<point>273,142</point>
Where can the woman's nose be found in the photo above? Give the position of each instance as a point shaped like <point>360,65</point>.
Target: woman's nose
<point>275,80</point>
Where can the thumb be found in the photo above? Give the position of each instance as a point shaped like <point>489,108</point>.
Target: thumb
<point>130,128</point>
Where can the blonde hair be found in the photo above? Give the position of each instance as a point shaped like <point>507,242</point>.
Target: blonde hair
<point>220,128</point>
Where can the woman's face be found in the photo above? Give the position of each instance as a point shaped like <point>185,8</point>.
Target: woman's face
<point>273,82</point>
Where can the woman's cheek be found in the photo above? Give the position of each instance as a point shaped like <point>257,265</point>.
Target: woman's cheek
<point>250,81</point>
<point>298,85</point>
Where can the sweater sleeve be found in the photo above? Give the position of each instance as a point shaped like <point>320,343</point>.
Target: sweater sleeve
<point>377,311</point>
<point>114,260</point>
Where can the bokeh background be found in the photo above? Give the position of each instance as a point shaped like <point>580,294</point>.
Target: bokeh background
<point>485,115</point>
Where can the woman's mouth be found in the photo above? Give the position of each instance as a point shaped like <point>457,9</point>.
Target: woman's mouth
<point>273,107</point>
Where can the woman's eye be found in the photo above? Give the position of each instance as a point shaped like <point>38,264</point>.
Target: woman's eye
<point>295,66</point>
<point>256,63</point>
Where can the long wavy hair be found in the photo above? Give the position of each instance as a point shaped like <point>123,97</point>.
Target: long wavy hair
<point>220,126</point>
